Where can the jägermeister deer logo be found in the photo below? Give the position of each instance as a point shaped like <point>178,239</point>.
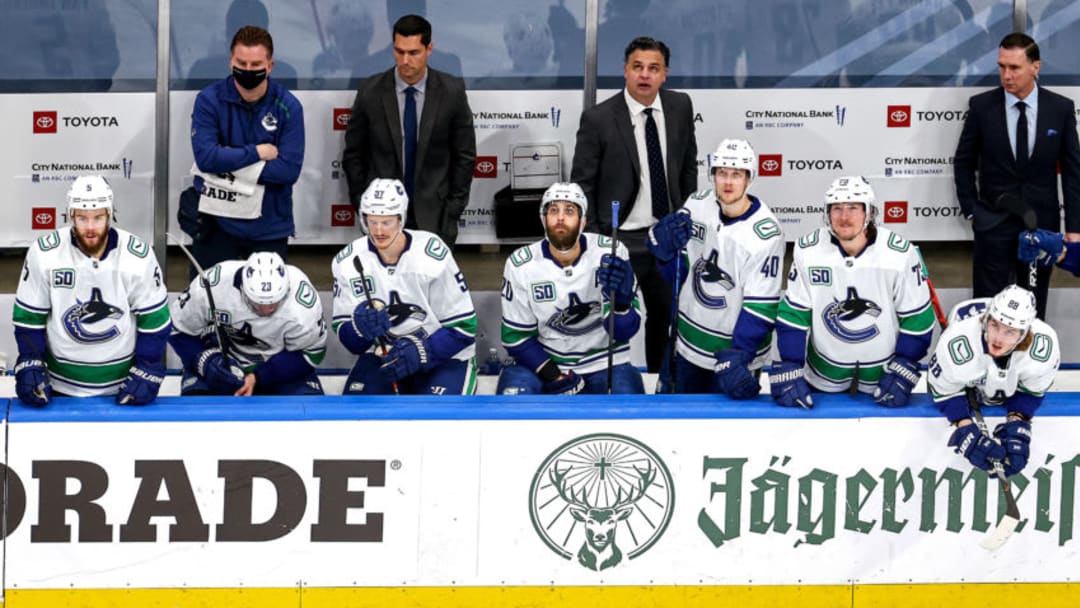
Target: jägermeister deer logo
<point>600,499</point>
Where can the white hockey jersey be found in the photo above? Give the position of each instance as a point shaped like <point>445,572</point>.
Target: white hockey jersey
<point>297,325</point>
<point>564,308</point>
<point>854,307</point>
<point>732,268</point>
<point>960,360</point>
<point>90,309</point>
<point>424,292</point>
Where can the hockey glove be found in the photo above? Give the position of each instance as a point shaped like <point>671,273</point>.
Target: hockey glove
<point>976,446</point>
<point>370,323</point>
<point>566,384</point>
<point>140,388</point>
<point>1015,436</point>
<point>1040,246</point>
<point>668,236</point>
<point>733,374</point>
<point>408,355</point>
<point>220,373</point>
<point>894,389</point>
<point>617,277</point>
<point>32,381</point>
<point>788,387</point>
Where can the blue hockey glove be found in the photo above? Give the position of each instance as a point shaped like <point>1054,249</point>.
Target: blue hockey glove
<point>668,236</point>
<point>1040,246</point>
<point>894,389</point>
<point>1015,436</point>
<point>976,446</point>
<point>32,381</point>
<point>616,276</point>
<point>733,374</point>
<point>566,384</point>
<point>408,355</point>
<point>370,323</point>
<point>220,373</point>
<point>140,388</point>
<point>788,387</point>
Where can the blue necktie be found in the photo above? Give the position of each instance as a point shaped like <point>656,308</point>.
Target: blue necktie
<point>410,139</point>
<point>1021,136</point>
<point>657,178</point>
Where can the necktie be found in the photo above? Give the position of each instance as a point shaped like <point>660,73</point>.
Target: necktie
<point>410,139</point>
<point>657,178</point>
<point>1021,135</point>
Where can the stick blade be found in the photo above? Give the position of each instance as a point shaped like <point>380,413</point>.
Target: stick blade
<point>1000,535</point>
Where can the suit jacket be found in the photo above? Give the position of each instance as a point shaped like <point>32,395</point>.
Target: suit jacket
<point>445,148</point>
<point>606,159</point>
<point>984,148</point>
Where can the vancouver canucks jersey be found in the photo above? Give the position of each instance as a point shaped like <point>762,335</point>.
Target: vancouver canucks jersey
<point>960,360</point>
<point>297,325</point>
<point>90,308</point>
<point>423,292</point>
<point>733,269</point>
<point>562,307</point>
<point>856,308</point>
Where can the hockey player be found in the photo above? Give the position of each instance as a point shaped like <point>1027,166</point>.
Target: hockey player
<point>555,307</point>
<point>1009,358</point>
<point>271,319</point>
<point>857,311</point>
<point>731,252</point>
<point>402,305</point>
<point>1047,248</point>
<point>91,310</point>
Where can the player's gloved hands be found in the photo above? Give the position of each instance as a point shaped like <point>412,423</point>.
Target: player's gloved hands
<point>1015,436</point>
<point>408,355</point>
<point>370,323</point>
<point>32,381</point>
<point>617,277</point>
<point>220,373</point>
<point>141,386</point>
<point>668,236</point>
<point>787,385</point>
<point>976,446</point>
<point>1042,246</point>
<point>733,374</point>
<point>894,389</point>
<point>568,383</point>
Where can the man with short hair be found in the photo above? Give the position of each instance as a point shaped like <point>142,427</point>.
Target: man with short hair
<point>91,310</point>
<point>247,135</point>
<point>413,123</point>
<point>561,297</point>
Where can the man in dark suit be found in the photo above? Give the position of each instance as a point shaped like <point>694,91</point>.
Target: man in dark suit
<point>413,123</point>
<point>638,148</point>
<point>1015,137</point>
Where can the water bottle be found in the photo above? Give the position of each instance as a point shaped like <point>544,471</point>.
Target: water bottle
<point>492,366</point>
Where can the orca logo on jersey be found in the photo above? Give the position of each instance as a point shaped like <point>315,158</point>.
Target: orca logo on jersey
<point>840,312</point>
<point>577,319</point>
<point>707,277</point>
<point>402,311</point>
<point>243,336</point>
<point>95,310</point>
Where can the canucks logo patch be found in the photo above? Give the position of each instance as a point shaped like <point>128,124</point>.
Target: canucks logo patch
<point>399,311</point>
<point>85,321</point>
<point>852,319</point>
<point>578,318</point>
<point>243,336</point>
<point>269,122</point>
<point>711,283</point>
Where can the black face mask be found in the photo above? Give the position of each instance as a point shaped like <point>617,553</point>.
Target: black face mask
<point>249,79</point>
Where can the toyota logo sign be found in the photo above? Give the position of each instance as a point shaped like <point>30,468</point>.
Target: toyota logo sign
<point>43,218</point>
<point>45,122</point>
<point>341,118</point>
<point>486,167</point>
<point>898,116</point>
<point>896,212</point>
<point>770,164</point>
<point>342,215</point>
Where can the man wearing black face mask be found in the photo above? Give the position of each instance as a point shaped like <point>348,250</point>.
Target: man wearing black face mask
<point>247,134</point>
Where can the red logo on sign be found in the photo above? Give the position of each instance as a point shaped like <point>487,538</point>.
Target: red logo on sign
<point>45,122</point>
<point>895,212</point>
<point>43,218</point>
<point>342,215</point>
<point>486,167</point>
<point>341,118</point>
<point>898,116</point>
<point>770,164</point>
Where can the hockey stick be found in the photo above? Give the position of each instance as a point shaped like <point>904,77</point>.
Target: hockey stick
<point>1011,519</point>
<point>1014,205</point>
<point>223,337</point>
<point>939,312</point>
<point>380,342</point>
<point>673,332</point>
<point>611,300</point>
